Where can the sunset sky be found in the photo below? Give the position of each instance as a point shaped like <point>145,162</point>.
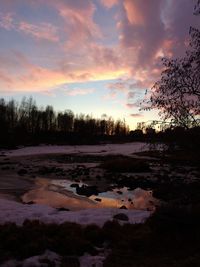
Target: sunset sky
<point>93,57</point>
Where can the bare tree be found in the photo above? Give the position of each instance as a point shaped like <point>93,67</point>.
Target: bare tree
<point>177,93</point>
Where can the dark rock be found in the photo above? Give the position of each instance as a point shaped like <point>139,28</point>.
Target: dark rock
<point>98,199</point>
<point>63,209</point>
<point>30,203</point>
<point>5,168</point>
<point>119,192</point>
<point>123,208</point>
<point>49,170</point>
<point>74,185</point>
<point>129,200</point>
<point>71,261</point>
<point>87,190</point>
<point>121,217</point>
<point>22,172</point>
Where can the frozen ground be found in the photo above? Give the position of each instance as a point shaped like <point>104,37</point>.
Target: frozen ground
<point>107,149</point>
<point>11,211</point>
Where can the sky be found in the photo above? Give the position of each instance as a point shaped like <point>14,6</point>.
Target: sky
<point>91,56</point>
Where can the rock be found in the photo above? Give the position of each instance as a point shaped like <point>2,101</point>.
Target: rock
<point>71,261</point>
<point>74,185</point>
<point>119,192</point>
<point>62,209</point>
<point>97,199</point>
<point>22,172</point>
<point>50,169</point>
<point>30,203</point>
<point>121,217</point>
<point>87,190</point>
<point>123,208</point>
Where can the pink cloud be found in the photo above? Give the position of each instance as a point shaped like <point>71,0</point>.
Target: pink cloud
<point>6,21</point>
<point>19,74</point>
<point>134,15</point>
<point>78,19</point>
<point>42,30</point>
<point>118,86</point>
<point>147,31</point>
<point>130,105</point>
<point>131,95</point>
<point>109,3</point>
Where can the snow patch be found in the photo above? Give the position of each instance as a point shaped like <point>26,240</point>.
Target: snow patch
<point>36,261</point>
<point>91,261</point>
<point>107,149</point>
<point>12,211</point>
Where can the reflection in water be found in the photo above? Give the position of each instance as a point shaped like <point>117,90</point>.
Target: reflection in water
<point>59,193</point>
<point>56,196</point>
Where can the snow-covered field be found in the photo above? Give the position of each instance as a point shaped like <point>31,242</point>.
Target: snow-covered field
<point>106,149</point>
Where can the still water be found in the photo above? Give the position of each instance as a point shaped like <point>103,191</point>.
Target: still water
<point>60,194</point>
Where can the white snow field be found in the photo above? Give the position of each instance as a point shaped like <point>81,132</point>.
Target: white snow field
<point>106,149</point>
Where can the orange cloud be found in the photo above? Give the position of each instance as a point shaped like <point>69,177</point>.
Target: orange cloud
<point>30,77</point>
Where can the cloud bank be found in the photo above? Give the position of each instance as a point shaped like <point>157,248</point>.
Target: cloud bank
<point>70,34</point>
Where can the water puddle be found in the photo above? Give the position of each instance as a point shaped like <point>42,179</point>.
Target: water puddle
<point>63,194</point>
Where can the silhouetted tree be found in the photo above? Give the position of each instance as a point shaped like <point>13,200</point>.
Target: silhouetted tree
<point>65,121</point>
<point>177,93</point>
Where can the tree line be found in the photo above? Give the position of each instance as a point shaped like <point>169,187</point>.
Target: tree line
<point>26,122</point>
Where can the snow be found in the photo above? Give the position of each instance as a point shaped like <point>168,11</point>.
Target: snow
<point>39,261</point>
<point>106,149</point>
<point>90,261</point>
<point>36,261</point>
<point>12,211</point>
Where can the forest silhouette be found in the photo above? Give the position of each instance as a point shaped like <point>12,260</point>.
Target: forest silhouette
<point>26,123</point>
